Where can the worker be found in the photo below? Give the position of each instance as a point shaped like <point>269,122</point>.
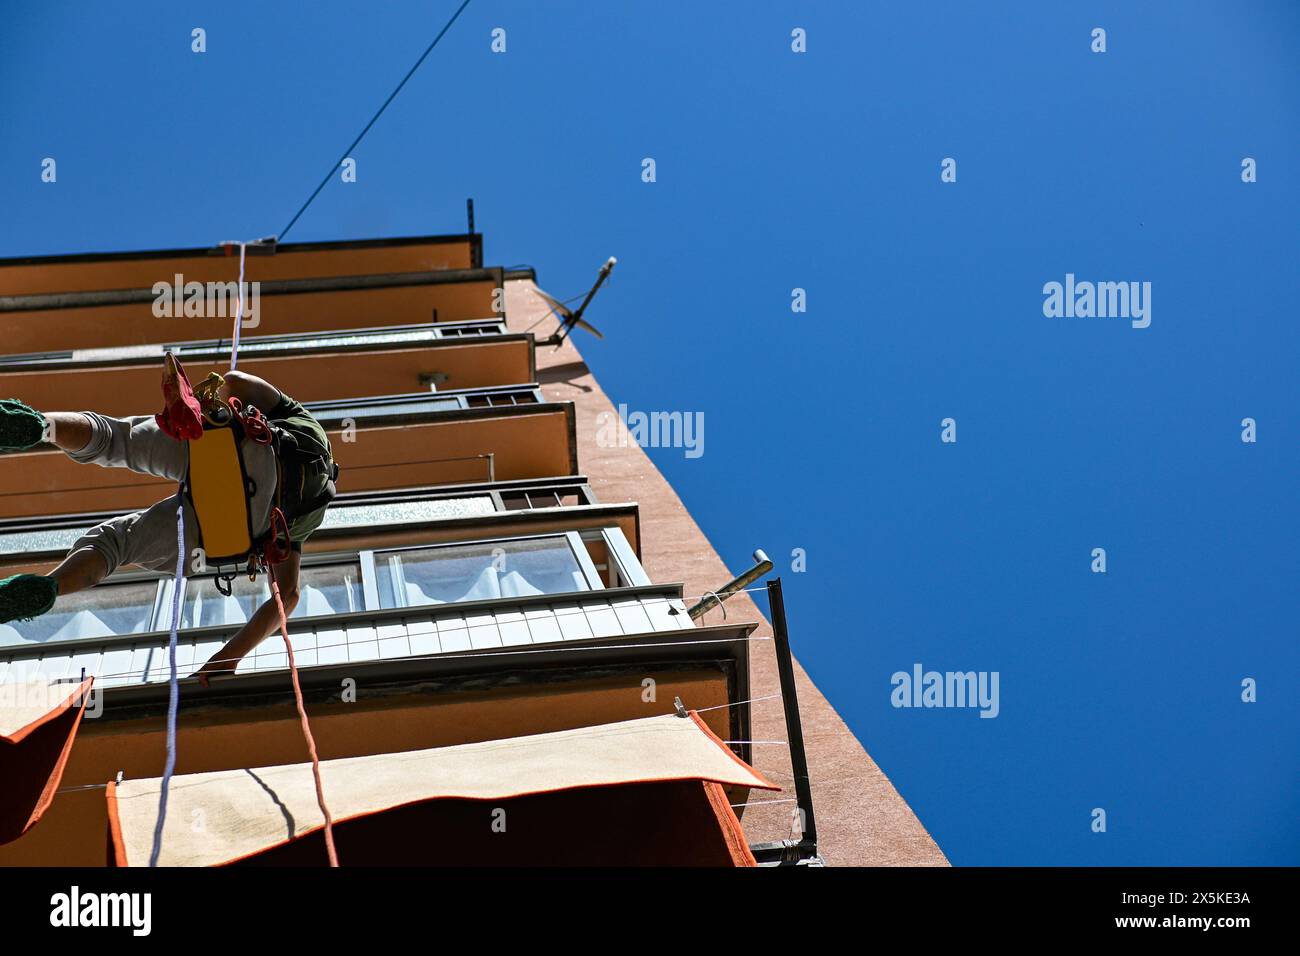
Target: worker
<point>150,445</point>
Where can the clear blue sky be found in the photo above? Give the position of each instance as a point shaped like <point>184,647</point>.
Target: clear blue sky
<point>821,171</point>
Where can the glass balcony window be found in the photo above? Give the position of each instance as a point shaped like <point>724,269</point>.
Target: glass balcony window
<point>480,571</point>
<point>323,589</point>
<point>558,563</point>
<point>120,608</point>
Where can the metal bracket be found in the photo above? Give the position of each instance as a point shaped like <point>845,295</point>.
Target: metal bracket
<point>712,599</point>
<point>805,848</point>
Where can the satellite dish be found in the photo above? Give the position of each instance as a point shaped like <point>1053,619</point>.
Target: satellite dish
<point>570,319</point>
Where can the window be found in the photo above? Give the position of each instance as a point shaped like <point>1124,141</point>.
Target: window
<point>324,589</point>
<point>482,571</point>
<point>125,608</point>
<point>558,563</point>
<point>330,341</point>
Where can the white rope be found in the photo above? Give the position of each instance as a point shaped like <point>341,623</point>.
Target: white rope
<point>239,312</point>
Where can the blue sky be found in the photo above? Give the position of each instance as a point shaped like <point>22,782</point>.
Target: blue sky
<point>821,171</point>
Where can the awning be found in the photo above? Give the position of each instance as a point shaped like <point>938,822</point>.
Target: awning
<point>646,792</point>
<point>38,722</point>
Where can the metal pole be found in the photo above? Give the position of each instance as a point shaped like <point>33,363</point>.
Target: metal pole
<point>790,703</point>
<point>712,599</point>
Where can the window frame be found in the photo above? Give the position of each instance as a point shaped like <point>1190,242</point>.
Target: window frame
<point>629,572</point>
<point>572,538</point>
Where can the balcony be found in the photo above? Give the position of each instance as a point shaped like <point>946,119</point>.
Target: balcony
<point>378,519</point>
<point>82,272</point>
<point>471,567</point>
<point>339,365</point>
<point>113,316</point>
<point>381,443</point>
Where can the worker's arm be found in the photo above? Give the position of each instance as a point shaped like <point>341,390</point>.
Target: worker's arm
<point>250,390</point>
<point>264,622</point>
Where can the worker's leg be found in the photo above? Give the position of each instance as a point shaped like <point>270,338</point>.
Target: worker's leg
<point>25,596</point>
<point>82,568</point>
<point>136,443</point>
<point>70,431</point>
<point>145,539</point>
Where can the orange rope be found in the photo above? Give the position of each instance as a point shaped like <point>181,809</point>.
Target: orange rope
<point>306,727</point>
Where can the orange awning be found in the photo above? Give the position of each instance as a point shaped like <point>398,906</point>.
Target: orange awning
<point>38,722</point>
<point>646,792</point>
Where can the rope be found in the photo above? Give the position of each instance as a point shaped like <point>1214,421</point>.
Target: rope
<point>411,72</point>
<point>173,695</point>
<point>306,727</point>
<point>239,311</point>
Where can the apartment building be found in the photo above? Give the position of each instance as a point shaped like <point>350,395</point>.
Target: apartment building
<point>505,641</point>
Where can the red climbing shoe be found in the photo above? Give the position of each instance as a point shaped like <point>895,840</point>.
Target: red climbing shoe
<point>181,417</point>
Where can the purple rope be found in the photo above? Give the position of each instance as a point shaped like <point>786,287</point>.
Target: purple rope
<point>174,693</point>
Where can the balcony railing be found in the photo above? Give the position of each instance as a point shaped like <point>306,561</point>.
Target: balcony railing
<point>332,413</point>
<point>297,343</point>
<point>368,635</point>
<point>33,540</point>
<point>347,581</point>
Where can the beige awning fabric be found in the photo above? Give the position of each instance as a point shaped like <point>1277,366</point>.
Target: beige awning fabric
<point>654,785</point>
<point>38,723</point>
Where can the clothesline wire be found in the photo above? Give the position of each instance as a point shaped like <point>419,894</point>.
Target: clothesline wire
<point>556,613</point>
<point>101,786</point>
<point>751,803</point>
<point>752,700</point>
<point>391,96</point>
<point>645,600</point>
<point>444,657</point>
<point>254,654</point>
<point>700,710</point>
<point>146,484</point>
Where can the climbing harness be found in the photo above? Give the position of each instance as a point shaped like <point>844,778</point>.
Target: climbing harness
<point>220,490</point>
<point>215,411</point>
